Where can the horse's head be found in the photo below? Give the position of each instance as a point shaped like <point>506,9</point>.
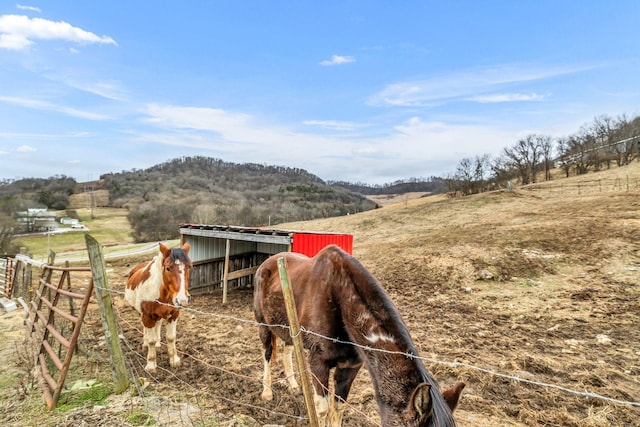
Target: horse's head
<point>424,409</point>
<point>175,275</point>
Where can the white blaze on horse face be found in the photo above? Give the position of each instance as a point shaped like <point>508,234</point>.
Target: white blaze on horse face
<point>182,300</point>
<point>374,337</point>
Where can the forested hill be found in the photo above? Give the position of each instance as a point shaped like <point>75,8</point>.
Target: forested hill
<point>210,191</point>
<point>206,190</point>
<point>202,174</point>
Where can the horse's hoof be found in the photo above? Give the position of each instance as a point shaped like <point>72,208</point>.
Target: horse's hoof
<point>174,362</point>
<point>150,368</point>
<point>267,394</point>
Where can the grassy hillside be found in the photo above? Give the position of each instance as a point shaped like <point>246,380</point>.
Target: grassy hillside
<point>553,314</point>
<point>108,225</point>
<point>561,307</point>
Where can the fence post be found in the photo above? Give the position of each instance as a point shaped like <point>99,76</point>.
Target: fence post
<point>297,345</point>
<point>103,296</point>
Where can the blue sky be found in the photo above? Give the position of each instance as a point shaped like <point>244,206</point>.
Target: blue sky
<point>362,91</point>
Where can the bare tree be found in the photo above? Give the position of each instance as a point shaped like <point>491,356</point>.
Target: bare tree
<point>7,229</point>
<point>566,156</point>
<point>546,147</point>
<point>526,156</point>
<point>626,146</point>
<point>464,176</point>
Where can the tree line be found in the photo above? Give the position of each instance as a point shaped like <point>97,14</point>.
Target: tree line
<point>597,145</point>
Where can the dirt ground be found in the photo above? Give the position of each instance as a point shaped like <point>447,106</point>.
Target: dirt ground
<point>531,297</point>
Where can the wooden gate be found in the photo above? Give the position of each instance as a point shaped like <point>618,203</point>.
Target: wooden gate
<point>54,327</point>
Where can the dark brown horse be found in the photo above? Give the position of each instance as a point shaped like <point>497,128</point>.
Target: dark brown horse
<point>352,320</point>
<point>157,289</point>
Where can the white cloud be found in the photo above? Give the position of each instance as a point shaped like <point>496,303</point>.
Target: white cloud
<point>332,124</point>
<point>18,32</point>
<point>413,147</point>
<point>42,105</point>
<point>25,149</point>
<point>104,89</point>
<point>65,135</point>
<point>467,85</point>
<point>507,97</point>
<point>337,60</point>
<point>29,8</point>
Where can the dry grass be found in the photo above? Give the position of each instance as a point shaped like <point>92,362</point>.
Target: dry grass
<point>566,270</point>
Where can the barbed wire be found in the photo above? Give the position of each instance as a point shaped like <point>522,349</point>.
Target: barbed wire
<point>186,383</point>
<point>586,394</point>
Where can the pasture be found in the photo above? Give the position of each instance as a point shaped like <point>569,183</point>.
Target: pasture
<point>557,318</point>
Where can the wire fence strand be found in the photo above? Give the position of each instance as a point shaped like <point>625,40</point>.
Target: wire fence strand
<point>585,393</point>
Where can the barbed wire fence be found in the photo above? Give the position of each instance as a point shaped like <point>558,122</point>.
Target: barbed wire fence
<point>139,359</point>
<point>586,186</point>
<point>136,365</point>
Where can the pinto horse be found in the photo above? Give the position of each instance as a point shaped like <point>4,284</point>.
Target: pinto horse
<point>351,320</point>
<point>158,289</point>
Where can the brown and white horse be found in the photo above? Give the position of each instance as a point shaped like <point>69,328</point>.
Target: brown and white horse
<point>158,289</point>
<point>351,320</point>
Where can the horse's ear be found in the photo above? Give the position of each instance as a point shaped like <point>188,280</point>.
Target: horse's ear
<point>452,395</point>
<point>165,250</point>
<point>420,400</point>
<point>186,247</point>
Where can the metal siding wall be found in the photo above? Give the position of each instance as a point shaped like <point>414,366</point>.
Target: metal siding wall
<point>310,244</point>
<point>271,248</point>
<point>203,248</point>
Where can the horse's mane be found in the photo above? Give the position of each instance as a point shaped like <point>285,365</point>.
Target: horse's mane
<point>179,254</point>
<point>373,295</point>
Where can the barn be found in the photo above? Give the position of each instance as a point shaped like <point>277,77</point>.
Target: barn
<point>226,256</point>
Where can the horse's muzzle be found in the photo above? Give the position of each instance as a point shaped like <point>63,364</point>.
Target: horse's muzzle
<point>182,302</point>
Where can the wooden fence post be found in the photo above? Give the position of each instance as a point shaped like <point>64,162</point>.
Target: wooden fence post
<point>103,296</point>
<point>297,344</point>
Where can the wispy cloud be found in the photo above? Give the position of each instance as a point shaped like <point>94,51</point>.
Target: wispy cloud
<point>240,136</point>
<point>337,60</point>
<point>508,97</point>
<point>104,89</point>
<point>332,124</point>
<point>65,135</point>
<point>25,149</point>
<point>29,8</point>
<point>18,32</point>
<point>468,85</point>
<point>42,105</point>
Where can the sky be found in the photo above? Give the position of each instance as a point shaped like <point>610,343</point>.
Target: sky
<point>360,91</point>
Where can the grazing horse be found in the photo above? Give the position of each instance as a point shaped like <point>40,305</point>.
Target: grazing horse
<point>351,320</point>
<point>157,289</point>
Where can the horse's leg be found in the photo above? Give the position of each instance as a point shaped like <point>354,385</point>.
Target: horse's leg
<point>158,329</point>
<point>150,338</point>
<point>174,359</point>
<point>268,343</point>
<point>343,378</point>
<point>320,370</point>
<point>288,368</point>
